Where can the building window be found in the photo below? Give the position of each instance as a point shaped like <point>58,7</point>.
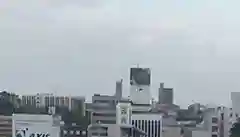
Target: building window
<point>214,135</point>
<point>149,127</point>
<point>159,127</point>
<point>156,128</point>
<point>78,132</point>
<point>65,132</point>
<point>214,120</point>
<point>83,132</point>
<point>139,124</point>
<point>214,129</point>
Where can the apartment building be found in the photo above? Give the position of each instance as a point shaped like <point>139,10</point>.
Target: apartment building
<point>51,100</point>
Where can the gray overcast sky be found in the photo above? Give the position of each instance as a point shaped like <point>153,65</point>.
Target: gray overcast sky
<point>82,46</point>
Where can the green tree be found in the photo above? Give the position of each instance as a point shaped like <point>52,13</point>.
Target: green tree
<point>235,130</point>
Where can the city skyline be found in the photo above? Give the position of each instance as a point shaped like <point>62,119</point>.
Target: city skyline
<point>82,48</point>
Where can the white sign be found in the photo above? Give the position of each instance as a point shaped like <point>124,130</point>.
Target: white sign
<point>33,126</point>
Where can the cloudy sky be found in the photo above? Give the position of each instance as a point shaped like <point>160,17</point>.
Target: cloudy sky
<point>81,47</point>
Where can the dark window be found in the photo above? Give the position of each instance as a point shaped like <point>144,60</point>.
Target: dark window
<point>139,124</point>
<point>214,135</point>
<point>149,124</point>
<point>222,116</point>
<point>156,127</point>
<point>105,114</point>
<point>145,125</point>
<point>214,120</point>
<point>132,122</point>
<point>136,123</point>
<point>101,134</point>
<point>159,127</point>
<point>152,124</point>
<point>214,129</point>
<point>143,122</point>
<point>107,121</point>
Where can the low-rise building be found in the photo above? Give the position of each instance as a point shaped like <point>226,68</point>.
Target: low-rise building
<point>51,100</point>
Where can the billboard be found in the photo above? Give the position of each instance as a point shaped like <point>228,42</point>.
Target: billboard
<point>33,126</point>
<point>140,76</point>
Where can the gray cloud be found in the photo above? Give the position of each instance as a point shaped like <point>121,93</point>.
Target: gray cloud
<point>82,47</point>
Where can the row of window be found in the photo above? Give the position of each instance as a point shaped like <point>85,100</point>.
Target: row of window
<point>72,132</point>
<point>104,114</point>
<point>105,121</point>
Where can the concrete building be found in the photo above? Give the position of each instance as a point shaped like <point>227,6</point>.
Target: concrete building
<point>196,132</point>
<point>165,95</point>
<point>140,81</point>
<point>103,109</point>
<point>51,100</point>
<point>114,130</point>
<point>5,126</point>
<point>112,117</point>
<point>118,93</point>
<point>172,131</point>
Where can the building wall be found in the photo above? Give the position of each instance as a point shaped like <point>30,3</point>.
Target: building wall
<point>140,81</point>
<point>103,109</point>
<point>34,124</point>
<point>200,133</point>
<point>171,132</point>
<point>50,100</point>
<point>123,113</point>
<point>6,126</point>
<point>235,97</point>
<point>140,94</point>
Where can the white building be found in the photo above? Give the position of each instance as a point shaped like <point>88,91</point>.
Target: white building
<point>35,125</point>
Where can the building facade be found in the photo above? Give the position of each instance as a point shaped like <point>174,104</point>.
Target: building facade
<point>150,123</point>
<point>103,109</point>
<point>5,126</point>
<point>140,81</point>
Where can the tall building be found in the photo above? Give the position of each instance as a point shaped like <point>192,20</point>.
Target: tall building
<point>235,97</point>
<point>165,95</point>
<point>103,107</point>
<point>118,93</point>
<point>140,81</point>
